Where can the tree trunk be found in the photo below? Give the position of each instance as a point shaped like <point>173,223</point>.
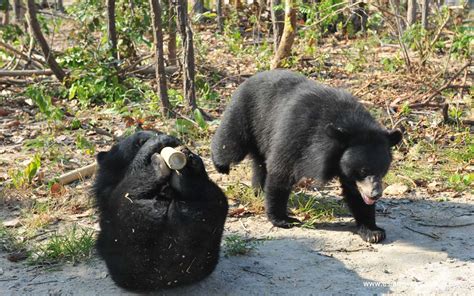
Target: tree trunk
<point>36,30</point>
<point>18,10</point>
<point>220,17</point>
<point>424,13</point>
<point>277,22</point>
<point>411,12</point>
<point>289,33</point>
<point>198,6</point>
<point>237,4</point>
<point>159,60</point>
<point>172,59</point>
<point>188,53</point>
<point>60,5</point>
<point>6,20</point>
<point>111,30</point>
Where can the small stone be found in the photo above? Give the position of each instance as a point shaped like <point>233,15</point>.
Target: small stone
<point>12,223</point>
<point>396,189</point>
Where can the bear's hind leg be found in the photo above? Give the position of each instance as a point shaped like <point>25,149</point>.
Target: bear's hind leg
<point>363,213</point>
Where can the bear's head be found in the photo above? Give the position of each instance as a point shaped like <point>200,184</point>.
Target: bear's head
<point>366,158</point>
<point>190,177</point>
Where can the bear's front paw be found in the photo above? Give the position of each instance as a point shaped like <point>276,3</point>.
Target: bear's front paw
<point>223,169</point>
<point>284,222</point>
<point>373,236</point>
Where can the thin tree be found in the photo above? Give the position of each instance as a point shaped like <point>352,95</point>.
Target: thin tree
<point>188,53</point>
<point>36,30</point>
<point>278,16</point>
<point>220,17</point>
<point>288,37</point>
<point>18,10</point>
<point>159,60</point>
<point>198,6</point>
<point>60,5</point>
<point>111,30</point>
<point>424,13</point>
<point>6,19</point>
<point>411,12</point>
<point>171,24</point>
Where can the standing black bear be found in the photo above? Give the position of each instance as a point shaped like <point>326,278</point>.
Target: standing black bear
<point>293,127</point>
<point>156,230</point>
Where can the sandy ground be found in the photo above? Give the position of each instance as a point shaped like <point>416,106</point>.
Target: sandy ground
<point>417,258</point>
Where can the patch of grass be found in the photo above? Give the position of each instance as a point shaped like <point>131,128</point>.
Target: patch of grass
<point>38,215</point>
<point>235,245</point>
<point>72,246</point>
<point>9,241</point>
<point>315,209</point>
<point>246,196</point>
<point>23,177</point>
<point>408,172</point>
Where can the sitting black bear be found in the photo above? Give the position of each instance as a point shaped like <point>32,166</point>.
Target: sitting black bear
<point>293,127</point>
<point>157,230</point>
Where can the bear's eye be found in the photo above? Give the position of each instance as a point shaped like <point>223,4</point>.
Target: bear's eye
<point>363,173</point>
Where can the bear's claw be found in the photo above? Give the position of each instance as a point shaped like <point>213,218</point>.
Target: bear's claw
<point>285,222</point>
<point>372,236</point>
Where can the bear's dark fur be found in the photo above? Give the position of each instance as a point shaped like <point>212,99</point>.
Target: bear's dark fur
<point>293,127</point>
<point>156,230</point>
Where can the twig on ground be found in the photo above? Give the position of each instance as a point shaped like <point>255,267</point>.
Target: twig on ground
<point>432,235</point>
<point>445,225</point>
<point>254,272</point>
<point>446,85</point>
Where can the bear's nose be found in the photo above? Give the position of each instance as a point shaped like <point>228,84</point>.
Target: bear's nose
<point>376,192</point>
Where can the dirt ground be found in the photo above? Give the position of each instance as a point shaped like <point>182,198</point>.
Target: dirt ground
<point>429,251</point>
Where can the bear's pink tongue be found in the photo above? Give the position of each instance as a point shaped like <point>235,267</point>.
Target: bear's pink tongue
<point>368,200</point>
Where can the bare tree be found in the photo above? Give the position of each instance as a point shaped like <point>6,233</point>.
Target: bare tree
<point>172,59</point>
<point>188,53</point>
<point>277,22</point>
<point>424,13</point>
<point>411,12</point>
<point>159,60</point>
<point>288,37</point>
<point>6,19</point>
<point>198,6</point>
<point>36,30</point>
<point>60,5</point>
<point>111,30</point>
<point>220,17</point>
<point>18,10</point>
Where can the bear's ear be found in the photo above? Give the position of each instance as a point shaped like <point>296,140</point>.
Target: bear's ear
<point>394,137</point>
<point>101,156</point>
<point>337,133</point>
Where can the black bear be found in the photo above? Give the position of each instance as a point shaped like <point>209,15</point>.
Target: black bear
<point>157,230</point>
<point>293,127</point>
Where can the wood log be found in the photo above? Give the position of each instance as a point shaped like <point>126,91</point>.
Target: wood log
<point>77,174</point>
<point>175,159</point>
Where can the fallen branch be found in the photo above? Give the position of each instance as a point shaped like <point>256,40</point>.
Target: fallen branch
<point>447,83</point>
<point>150,70</point>
<point>34,62</point>
<point>20,73</point>
<point>445,225</point>
<point>77,174</point>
